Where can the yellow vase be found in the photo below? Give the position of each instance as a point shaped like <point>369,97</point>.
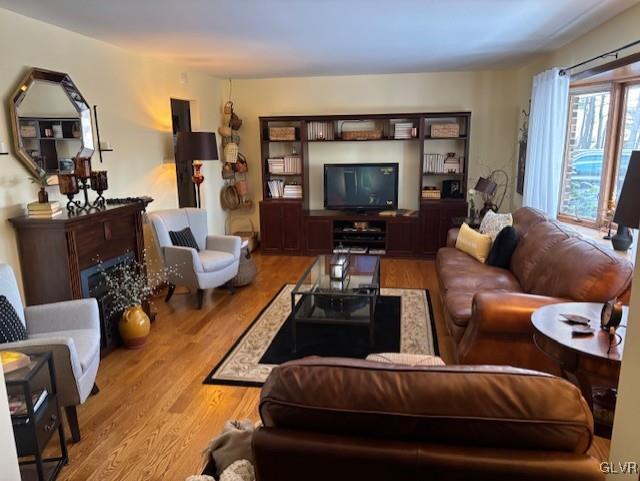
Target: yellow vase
<point>134,327</point>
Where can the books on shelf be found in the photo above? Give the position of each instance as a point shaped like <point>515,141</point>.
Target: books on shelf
<point>441,164</point>
<point>288,165</point>
<point>44,210</point>
<point>404,130</point>
<point>279,190</point>
<point>320,131</point>
<point>18,403</point>
<point>292,191</point>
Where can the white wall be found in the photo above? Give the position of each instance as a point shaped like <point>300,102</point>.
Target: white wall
<point>133,96</point>
<point>489,95</point>
<point>8,456</point>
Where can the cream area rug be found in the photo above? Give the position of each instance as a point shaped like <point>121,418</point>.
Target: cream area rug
<point>403,323</point>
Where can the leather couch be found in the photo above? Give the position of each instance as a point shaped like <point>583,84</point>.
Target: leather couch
<point>487,310</point>
<point>346,419</point>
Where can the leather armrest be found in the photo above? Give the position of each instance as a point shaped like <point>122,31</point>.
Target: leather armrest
<point>452,236</point>
<point>507,312</point>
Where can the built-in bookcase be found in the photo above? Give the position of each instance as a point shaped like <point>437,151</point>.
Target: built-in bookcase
<point>288,226</point>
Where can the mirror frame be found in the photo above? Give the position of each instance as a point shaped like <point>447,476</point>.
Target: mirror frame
<point>76,99</point>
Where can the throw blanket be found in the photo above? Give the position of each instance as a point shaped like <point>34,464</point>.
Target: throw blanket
<point>231,445</point>
<point>238,471</point>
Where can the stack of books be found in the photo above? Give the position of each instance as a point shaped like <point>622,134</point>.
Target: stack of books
<point>276,166</point>
<point>403,130</point>
<point>292,164</point>
<point>434,163</point>
<point>18,404</point>
<point>46,210</point>
<point>276,188</point>
<point>292,191</point>
<point>320,131</point>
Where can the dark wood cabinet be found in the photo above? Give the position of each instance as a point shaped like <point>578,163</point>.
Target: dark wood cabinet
<point>401,237</point>
<point>318,236</point>
<point>436,218</point>
<point>281,227</point>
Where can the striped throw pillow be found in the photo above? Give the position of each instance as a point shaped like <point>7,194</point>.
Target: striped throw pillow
<point>11,327</point>
<point>183,238</point>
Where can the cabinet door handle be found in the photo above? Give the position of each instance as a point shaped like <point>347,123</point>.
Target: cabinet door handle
<point>49,427</point>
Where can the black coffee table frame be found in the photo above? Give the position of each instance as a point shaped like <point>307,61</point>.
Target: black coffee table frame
<point>353,304</point>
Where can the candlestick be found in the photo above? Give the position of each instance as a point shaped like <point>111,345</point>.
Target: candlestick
<point>82,167</point>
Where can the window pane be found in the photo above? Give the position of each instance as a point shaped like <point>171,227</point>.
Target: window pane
<point>584,160</point>
<point>630,133</point>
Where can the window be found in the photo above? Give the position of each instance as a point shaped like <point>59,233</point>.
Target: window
<point>603,129</point>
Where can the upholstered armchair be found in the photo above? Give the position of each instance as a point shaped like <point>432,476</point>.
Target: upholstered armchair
<point>68,329</point>
<point>213,264</point>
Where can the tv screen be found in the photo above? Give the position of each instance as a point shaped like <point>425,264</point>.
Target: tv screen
<point>361,186</point>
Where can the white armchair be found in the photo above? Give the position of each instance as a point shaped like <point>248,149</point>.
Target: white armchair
<point>214,264</point>
<point>71,331</point>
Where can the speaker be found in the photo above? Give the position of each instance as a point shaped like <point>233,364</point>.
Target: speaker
<point>452,189</point>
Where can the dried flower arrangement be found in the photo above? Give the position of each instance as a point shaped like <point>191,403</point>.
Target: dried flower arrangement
<point>131,283</point>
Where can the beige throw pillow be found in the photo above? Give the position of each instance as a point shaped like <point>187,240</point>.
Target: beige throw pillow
<point>474,243</point>
<point>492,223</point>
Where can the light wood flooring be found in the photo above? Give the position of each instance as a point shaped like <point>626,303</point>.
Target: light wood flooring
<point>153,416</point>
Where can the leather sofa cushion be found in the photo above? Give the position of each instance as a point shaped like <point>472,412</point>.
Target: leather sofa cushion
<point>532,250</point>
<point>579,269</point>
<point>460,272</point>
<point>525,218</point>
<point>488,406</point>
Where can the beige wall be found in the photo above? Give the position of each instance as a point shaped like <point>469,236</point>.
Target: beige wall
<point>132,93</point>
<point>488,94</point>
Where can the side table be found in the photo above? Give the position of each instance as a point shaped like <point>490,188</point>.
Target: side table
<point>586,361</point>
<point>35,424</point>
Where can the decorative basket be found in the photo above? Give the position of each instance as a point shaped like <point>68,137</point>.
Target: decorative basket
<point>282,133</point>
<point>229,198</point>
<point>241,165</point>
<point>444,131</point>
<point>250,235</point>
<point>231,151</point>
<point>247,269</point>
<point>431,193</point>
<point>362,135</point>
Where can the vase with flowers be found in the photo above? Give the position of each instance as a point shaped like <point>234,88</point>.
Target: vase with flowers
<point>42,181</point>
<point>130,284</point>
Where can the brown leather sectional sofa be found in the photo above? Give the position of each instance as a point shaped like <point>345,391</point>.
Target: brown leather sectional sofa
<point>346,419</point>
<point>488,309</point>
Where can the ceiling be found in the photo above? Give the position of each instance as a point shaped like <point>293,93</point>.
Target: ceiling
<point>274,38</point>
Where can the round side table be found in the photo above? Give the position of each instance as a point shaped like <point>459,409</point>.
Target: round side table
<point>586,361</point>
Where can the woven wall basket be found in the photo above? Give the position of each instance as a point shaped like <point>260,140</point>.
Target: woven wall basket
<point>229,198</point>
<point>231,152</point>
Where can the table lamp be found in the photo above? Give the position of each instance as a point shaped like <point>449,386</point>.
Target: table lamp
<point>628,210</point>
<point>197,147</point>
<point>487,188</point>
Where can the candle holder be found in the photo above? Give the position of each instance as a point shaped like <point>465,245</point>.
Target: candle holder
<point>84,179</point>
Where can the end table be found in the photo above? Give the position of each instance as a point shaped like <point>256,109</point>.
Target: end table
<point>587,361</point>
<point>38,421</point>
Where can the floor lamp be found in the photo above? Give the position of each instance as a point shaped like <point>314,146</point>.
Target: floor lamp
<point>196,147</point>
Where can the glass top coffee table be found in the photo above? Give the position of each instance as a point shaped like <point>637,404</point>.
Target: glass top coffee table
<point>322,298</point>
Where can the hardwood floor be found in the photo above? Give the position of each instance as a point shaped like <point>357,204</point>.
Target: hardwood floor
<point>153,416</point>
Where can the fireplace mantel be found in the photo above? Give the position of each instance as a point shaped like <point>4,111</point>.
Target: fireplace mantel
<point>54,253</point>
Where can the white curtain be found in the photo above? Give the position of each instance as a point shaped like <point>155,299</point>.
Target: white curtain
<point>545,142</point>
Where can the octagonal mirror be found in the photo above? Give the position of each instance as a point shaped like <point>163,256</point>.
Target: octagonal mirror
<point>51,122</point>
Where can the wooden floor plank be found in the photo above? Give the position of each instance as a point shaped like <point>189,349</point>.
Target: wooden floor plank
<point>153,416</point>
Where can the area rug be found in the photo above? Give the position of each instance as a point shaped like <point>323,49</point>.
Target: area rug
<point>403,323</point>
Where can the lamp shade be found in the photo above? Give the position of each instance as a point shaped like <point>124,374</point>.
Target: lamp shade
<point>628,209</point>
<point>196,146</point>
<point>486,186</point>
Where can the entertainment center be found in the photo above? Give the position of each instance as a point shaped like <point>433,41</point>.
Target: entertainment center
<point>368,219</point>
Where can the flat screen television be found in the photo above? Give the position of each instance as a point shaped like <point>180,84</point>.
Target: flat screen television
<point>361,186</point>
